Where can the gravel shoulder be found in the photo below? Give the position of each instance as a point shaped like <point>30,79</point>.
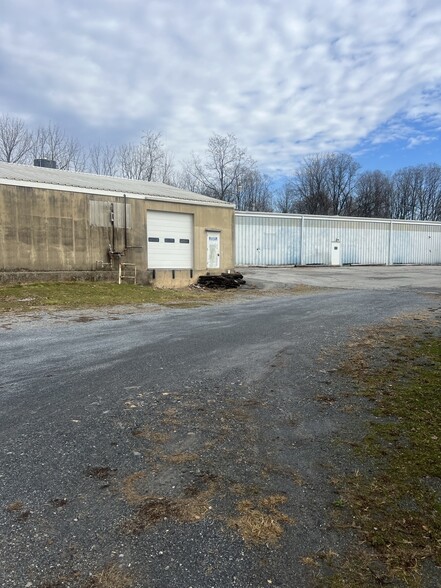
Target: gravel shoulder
<point>180,448</point>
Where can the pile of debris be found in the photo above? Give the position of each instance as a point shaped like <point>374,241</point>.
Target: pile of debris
<point>232,280</point>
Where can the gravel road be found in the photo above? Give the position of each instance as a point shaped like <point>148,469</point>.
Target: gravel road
<point>146,445</point>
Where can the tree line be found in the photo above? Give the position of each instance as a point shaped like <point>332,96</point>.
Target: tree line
<point>323,183</point>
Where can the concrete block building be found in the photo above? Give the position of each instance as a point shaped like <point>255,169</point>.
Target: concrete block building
<point>57,224</point>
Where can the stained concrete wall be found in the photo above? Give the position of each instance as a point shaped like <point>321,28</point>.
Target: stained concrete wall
<point>50,230</point>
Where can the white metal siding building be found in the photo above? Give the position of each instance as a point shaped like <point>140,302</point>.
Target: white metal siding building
<point>293,239</point>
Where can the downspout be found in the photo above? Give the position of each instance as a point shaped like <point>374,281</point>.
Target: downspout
<point>125,222</point>
<point>112,222</point>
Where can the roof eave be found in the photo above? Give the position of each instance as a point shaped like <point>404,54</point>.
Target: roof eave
<point>115,194</point>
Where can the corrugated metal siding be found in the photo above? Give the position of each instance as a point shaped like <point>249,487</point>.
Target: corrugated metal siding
<point>267,241</point>
<point>416,244</point>
<point>275,239</point>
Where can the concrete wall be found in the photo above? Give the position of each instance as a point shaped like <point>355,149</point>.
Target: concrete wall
<point>47,230</point>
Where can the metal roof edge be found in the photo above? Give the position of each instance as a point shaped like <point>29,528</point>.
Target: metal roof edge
<point>115,194</point>
<point>334,217</point>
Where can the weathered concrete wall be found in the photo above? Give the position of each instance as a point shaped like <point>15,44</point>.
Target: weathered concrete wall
<point>47,230</point>
<point>26,277</point>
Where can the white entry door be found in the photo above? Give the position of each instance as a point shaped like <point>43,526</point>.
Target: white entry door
<point>335,253</point>
<point>213,250</point>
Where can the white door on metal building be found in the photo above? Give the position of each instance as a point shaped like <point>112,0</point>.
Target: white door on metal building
<point>169,240</point>
<point>213,250</point>
<point>335,253</point>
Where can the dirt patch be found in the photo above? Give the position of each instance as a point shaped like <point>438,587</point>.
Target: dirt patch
<point>85,319</point>
<point>100,473</point>
<point>15,506</point>
<point>153,436</point>
<point>178,458</point>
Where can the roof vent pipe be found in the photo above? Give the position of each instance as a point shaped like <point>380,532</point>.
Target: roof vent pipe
<point>45,163</point>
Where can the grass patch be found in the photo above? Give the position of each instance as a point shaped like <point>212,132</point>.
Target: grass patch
<point>109,577</point>
<point>193,507</point>
<point>260,521</point>
<point>64,295</point>
<point>395,503</point>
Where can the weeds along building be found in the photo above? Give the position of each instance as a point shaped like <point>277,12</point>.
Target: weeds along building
<point>293,239</point>
<point>57,224</point>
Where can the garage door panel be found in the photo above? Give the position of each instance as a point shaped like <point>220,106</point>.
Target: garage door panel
<point>169,240</point>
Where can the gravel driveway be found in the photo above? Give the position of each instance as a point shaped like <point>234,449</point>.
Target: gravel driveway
<point>179,448</point>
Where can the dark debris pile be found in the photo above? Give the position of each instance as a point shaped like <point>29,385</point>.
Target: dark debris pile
<point>224,280</point>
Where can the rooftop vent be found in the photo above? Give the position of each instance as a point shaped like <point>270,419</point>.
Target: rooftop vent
<point>45,163</point>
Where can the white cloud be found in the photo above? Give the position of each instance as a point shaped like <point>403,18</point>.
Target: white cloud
<point>286,78</point>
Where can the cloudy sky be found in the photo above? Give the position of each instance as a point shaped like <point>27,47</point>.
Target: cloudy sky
<point>287,77</point>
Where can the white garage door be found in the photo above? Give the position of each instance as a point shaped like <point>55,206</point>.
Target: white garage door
<point>169,240</point>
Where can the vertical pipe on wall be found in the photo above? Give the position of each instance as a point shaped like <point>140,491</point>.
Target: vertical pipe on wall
<point>125,222</point>
<point>302,220</point>
<point>112,222</point>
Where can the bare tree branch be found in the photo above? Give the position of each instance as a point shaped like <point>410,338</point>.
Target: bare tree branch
<point>15,140</point>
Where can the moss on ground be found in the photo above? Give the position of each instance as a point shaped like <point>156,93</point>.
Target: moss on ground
<point>393,502</point>
<point>65,295</point>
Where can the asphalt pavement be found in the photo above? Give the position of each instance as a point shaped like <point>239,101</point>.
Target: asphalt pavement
<point>138,443</point>
<point>363,277</point>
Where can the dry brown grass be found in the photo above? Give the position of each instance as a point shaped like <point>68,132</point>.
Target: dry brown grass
<point>307,560</point>
<point>15,506</point>
<point>129,488</point>
<point>236,413</point>
<point>283,471</point>
<point>271,502</point>
<point>109,577</point>
<point>246,489</point>
<point>152,436</point>
<point>326,398</point>
<point>178,458</point>
<point>170,418</point>
<point>193,507</point>
<point>260,522</point>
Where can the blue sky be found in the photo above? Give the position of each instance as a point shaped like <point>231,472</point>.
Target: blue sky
<point>287,78</point>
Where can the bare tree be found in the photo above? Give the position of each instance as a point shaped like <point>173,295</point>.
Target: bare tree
<point>218,175</point>
<point>286,200</point>
<point>187,181</point>
<point>167,172</point>
<point>342,171</point>
<point>310,187</point>
<point>408,184</point>
<point>103,160</point>
<point>429,198</point>
<point>51,142</point>
<point>15,140</point>
<point>253,191</point>
<point>374,194</point>
<point>324,184</point>
<point>146,160</point>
